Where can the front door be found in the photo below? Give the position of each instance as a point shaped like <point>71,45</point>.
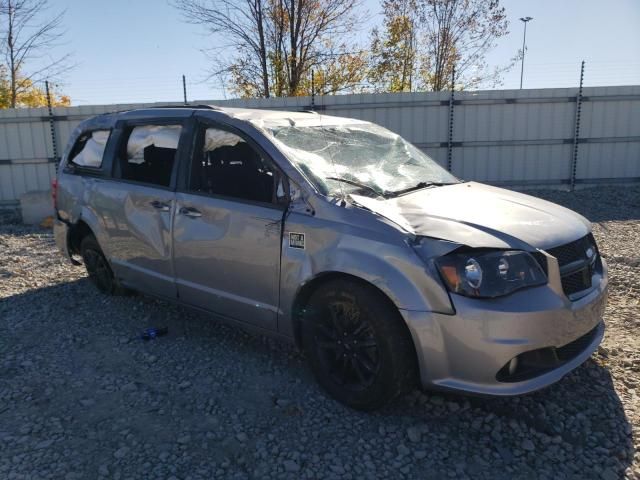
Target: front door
<point>227,230</point>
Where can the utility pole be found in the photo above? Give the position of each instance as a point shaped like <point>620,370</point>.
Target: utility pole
<point>524,46</point>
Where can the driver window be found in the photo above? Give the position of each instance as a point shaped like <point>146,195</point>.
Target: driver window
<point>228,166</point>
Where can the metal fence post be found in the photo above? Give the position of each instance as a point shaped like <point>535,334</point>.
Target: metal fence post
<point>184,89</point>
<point>576,133</point>
<point>52,126</point>
<point>313,89</point>
<point>451,103</point>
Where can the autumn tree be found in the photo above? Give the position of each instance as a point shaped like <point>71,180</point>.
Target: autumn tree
<point>269,47</point>
<point>445,34</point>
<point>27,33</point>
<point>459,33</point>
<point>339,72</point>
<point>393,52</point>
<point>30,95</point>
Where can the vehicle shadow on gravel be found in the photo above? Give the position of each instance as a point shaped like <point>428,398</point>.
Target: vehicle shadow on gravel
<point>578,422</point>
<point>224,395</point>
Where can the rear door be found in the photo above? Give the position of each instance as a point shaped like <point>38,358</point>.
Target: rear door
<point>227,228</point>
<point>136,206</point>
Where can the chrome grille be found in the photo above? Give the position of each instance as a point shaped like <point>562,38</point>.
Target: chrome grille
<point>576,268</point>
<point>573,251</point>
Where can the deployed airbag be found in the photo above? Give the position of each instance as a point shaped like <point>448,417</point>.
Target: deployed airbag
<point>91,153</point>
<point>215,138</point>
<point>161,136</point>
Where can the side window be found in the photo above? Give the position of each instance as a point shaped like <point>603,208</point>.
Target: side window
<point>224,164</point>
<point>89,148</point>
<point>150,154</point>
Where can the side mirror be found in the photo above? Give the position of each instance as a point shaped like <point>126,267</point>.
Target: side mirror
<point>281,194</point>
<point>295,193</point>
<point>284,190</point>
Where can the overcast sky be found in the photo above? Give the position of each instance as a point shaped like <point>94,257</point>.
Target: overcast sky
<point>137,50</point>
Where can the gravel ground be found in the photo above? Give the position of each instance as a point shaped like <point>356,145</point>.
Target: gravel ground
<point>80,399</point>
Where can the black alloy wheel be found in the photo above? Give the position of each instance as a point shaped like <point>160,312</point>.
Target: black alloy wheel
<point>357,344</point>
<point>346,344</point>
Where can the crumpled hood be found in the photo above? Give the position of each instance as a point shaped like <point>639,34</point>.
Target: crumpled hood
<point>480,215</point>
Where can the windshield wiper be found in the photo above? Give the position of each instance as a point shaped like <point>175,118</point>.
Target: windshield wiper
<point>418,186</point>
<point>357,184</point>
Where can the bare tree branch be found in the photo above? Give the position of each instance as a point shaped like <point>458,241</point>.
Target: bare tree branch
<point>447,34</point>
<point>25,38</point>
<point>275,43</point>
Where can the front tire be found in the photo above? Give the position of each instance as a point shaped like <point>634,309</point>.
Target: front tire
<point>358,347</point>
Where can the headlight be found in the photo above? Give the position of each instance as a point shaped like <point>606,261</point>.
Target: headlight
<point>489,274</point>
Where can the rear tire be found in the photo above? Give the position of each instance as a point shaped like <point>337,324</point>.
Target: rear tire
<point>358,347</point>
<point>98,267</point>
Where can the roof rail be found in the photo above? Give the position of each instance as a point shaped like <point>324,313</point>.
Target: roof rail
<point>199,106</point>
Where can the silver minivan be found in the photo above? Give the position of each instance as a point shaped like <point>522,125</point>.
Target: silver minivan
<point>339,235</point>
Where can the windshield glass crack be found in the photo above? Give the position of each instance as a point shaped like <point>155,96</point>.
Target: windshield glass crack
<point>359,157</point>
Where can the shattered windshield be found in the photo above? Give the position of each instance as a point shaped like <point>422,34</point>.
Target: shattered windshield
<point>360,157</point>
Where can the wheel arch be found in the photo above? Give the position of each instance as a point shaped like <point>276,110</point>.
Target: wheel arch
<point>77,232</point>
<point>306,290</point>
<point>412,372</point>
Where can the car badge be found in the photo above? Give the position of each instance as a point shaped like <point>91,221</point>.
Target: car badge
<point>590,253</point>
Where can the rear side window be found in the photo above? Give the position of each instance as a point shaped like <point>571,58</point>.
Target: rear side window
<point>89,149</point>
<point>150,154</point>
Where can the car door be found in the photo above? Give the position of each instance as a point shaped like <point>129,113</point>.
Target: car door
<point>227,228</point>
<point>136,206</point>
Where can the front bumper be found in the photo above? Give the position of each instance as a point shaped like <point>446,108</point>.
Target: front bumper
<point>467,350</point>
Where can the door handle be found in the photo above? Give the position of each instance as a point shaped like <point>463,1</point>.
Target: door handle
<point>190,212</point>
<point>163,207</point>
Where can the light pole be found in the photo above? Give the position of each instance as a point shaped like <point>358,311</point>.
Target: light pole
<point>524,41</point>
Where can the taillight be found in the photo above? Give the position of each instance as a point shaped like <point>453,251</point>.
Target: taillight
<point>54,193</point>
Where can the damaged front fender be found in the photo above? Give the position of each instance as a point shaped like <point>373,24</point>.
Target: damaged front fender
<point>385,260</point>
